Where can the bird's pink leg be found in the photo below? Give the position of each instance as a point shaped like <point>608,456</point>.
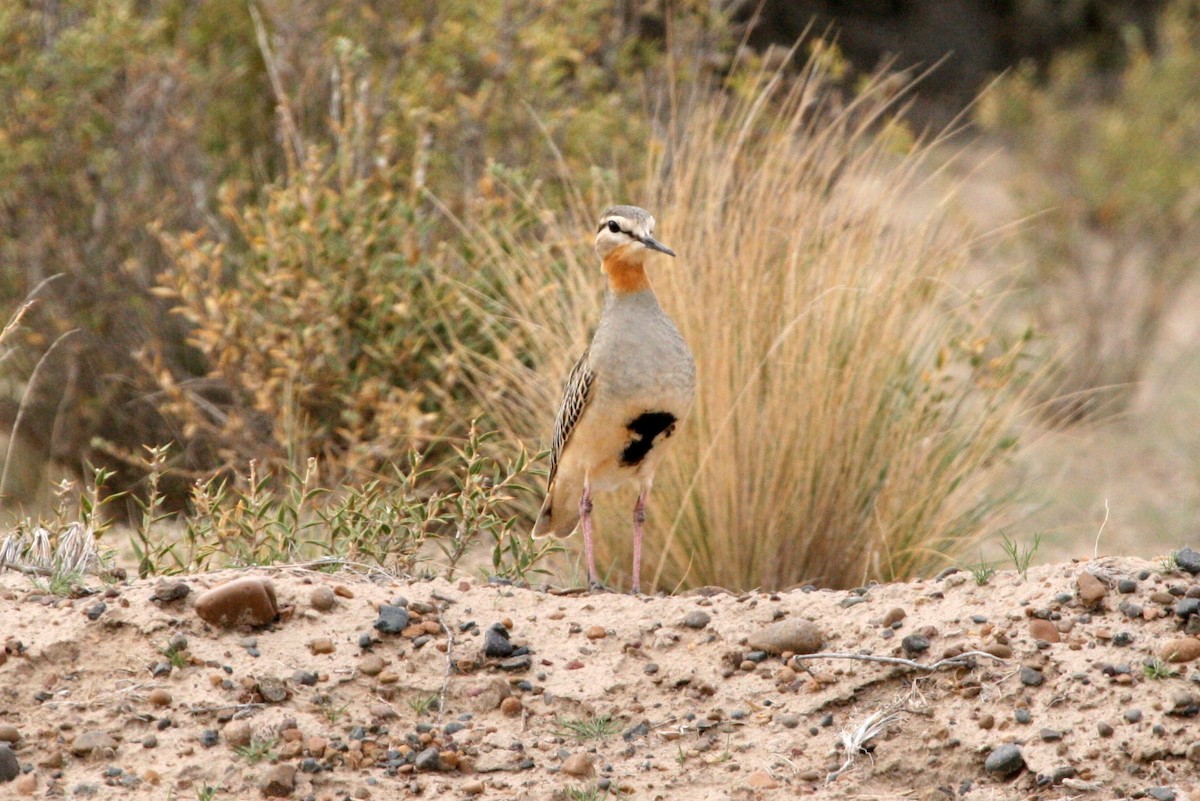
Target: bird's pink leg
<point>585,521</point>
<point>639,518</point>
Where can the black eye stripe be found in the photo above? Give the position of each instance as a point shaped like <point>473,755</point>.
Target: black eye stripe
<point>614,227</point>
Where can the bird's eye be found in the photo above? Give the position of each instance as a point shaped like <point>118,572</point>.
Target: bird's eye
<point>612,226</point>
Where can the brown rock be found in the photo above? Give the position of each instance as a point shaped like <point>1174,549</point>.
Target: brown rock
<point>9,733</point>
<point>322,598</point>
<point>91,742</point>
<point>280,781</point>
<point>1180,649</point>
<point>160,697</point>
<point>316,746</point>
<point>795,635</point>
<point>1091,589</point>
<point>893,616</point>
<point>342,591</point>
<point>245,601</point>
<point>998,650</point>
<point>596,633</point>
<point>273,689</point>
<point>472,788</point>
<point>382,712</point>
<point>1043,630</point>
<point>511,706</point>
<point>761,780</point>
<point>151,776</point>
<point>321,645</point>
<point>27,784</point>
<point>371,664</point>
<point>238,733</point>
<point>578,765</point>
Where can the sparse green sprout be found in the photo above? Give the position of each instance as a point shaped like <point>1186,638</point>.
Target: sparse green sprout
<point>1021,555</point>
<point>257,750</point>
<point>423,704</point>
<point>206,792</point>
<point>592,728</point>
<point>1157,669</point>
<point>332,712</point>
<point>1169,563</point>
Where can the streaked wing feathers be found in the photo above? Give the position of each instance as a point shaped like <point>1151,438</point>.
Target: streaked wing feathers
<point>576,393</point>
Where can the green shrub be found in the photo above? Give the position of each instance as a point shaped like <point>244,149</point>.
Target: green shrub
<point>1110,176</point>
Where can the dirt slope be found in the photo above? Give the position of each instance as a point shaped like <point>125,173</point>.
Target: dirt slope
<point>681,711</point>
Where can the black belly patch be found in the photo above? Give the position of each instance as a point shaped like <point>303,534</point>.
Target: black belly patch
<point>645,429</point>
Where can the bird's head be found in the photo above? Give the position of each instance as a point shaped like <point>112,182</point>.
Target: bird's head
<point>625,234</point>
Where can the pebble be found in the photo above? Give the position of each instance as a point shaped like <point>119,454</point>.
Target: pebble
<point>316,746</point>
<point>1180,649</point>
<point>516,663</point>
<point>1126,586</point>
<point>578,765</point>
<point>998,650</point>
<point>511,706</point>
<point>1161,793</point>
<point>10,768</point>
<point>472,788</point>
<point>1022,715</point>
<point>596,633</point>
<point>1031,677</point>
<point>696,619</point>
<point>280,780</point>
<point>149,741</point>
<point>168,590</point>
<point>88,742</point>
<point>987,721</point>
<point>429,759</point>
<point>795,635</point>
<point>27,784</point>
<point>238,733</point>
<point>894,615</point>
<point>761,780</point>
<point>321,645</point>
<point>9,733</point>
<point>209,738</point>
<point>1133,715</point>
<point>96,610</point>
<point>160,697</point>
<point>1004,761</point>
<point>310,765</point>
<point>1104,729</point>
<point>1187,607</point>
<point>1091,589</point>
<point>788,721</point>
<point>305,678</point>
<point>496,644</point>
<point>245,601</point>
<point>322,598</point>
<point>1050,735</point>
<point>1043,630</point>
<point>272,689</point>
<point>392,619</point>
<point>1189,560</point>
<point>371,665</point>
<point>915,644</point>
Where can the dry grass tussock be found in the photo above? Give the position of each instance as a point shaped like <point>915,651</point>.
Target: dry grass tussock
<point>853,407</point>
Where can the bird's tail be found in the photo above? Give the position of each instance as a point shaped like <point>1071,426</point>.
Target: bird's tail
<point>560,511</point>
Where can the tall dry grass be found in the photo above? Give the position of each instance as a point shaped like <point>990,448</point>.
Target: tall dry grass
<point>852,408</point>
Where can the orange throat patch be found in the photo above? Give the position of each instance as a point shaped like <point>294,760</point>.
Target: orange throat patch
<point>625,276</point>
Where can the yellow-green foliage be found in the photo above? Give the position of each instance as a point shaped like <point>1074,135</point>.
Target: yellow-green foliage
<point>1111,176</point>
<point>853,406</point>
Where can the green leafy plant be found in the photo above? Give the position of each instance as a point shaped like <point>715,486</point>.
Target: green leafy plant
<point>1021,556</point>
<point>333,712</point>
<point>257,750</point>
<point>1156,669</point>
<point>423,704</point>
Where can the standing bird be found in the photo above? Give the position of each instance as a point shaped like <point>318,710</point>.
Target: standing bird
<point>624,396</point>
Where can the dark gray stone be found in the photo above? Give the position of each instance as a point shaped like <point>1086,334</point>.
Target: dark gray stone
<point>170,590</point>
<point>429,759</point>
<point>1161,793</point>
<point>915,644</point>
<point>392,619</point>
<point>1031,677</point>
<point>1187,607</point>
<point>696,619</point>
<point>1126,586</point>
<point>1004,761</point>
<point>1188,560</point>
<point>96,610</point>
<point>495,642</point>
<point>10,768</point>
<point>1133,715</point>
<point>516,663</point>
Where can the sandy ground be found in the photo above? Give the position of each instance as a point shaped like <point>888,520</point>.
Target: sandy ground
<point>620,698</point>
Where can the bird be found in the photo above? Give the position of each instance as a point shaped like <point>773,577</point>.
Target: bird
<point>625,396</point>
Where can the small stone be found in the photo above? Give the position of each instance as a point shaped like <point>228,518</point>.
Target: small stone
<point>392,619</point>
<point>1031,677</point>
<point>495,642</point>
<point>237,733</point>
<point>1050,735</point>
<point>209,738</point>
<point>596,633</point>
<point>894,615</point>
<point>697,619</point>
<point>987,721</point>
<point>160,697</point>
<point>280,781</point>
<point>382,712</point>
<point>1043,630</point>
<point>788,721</point>
<point>96,610</point>
<point>245,601</point>
<point>322,598</point>
<point>316,746</point>
<point>998,650</point>
<point>1187,608</point>
<point>91,741</point>
<point>915,644</point>
<point>1161,793</point>
<point>1133,715</point>
<point>795,635</point>
<point>1022,715</point>
<point>168,590</point>
<point>310,765</point>
<point>1091,589</point>
<point>10,768</point>
<point>516,663</point>
<point>1004,761</point>
<point>272,689</point>
<point>1126,585</point>
<point>761,780</point>
<point>1188,560</point>
<point>160,670</point>
<point>511,706</point>
<point>321,645</point>
<point>429,759</point>
<point>371,665</point>
<point>578,765</point>
<point>1180,649</point>
<point>9,733</point>
<point>1104,729</point>
<point>149,741</point>
<point>305,678</point>
<point>472,788</point>
<point>27,784</point>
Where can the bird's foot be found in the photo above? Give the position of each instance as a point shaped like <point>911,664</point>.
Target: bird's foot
<point>597,587</point>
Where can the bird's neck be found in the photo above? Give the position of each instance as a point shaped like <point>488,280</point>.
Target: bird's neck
<point>624,276</point>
